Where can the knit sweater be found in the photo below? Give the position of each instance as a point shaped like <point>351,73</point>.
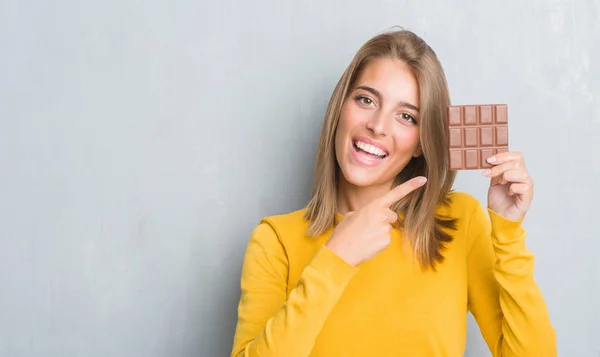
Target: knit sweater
<point>300,299</point>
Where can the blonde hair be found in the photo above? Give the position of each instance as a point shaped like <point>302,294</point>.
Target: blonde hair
<point>417,211</point>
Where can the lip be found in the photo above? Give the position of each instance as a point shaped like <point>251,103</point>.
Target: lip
<point>364,139</point>
<point>365,160</point>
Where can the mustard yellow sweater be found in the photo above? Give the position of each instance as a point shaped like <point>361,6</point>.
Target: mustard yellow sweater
<point>299,299</point>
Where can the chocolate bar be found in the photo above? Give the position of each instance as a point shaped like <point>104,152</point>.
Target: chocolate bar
<point>476,133</point>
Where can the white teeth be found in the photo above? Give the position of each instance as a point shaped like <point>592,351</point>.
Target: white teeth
<point>370,148</point>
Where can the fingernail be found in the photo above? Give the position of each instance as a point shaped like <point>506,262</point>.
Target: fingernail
<point>421,180</point>
<point>486,172</point>
<point>491,159</point>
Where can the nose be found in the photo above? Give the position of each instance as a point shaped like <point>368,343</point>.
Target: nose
<point>378,123</point>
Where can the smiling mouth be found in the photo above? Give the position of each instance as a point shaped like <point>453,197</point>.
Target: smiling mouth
<point>369,150</point>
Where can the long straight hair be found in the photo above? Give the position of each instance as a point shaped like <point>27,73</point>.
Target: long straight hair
<point>417,211</point>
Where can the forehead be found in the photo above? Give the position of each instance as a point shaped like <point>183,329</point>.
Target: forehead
<point>393,78</point>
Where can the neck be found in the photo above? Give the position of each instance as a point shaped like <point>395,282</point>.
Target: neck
<point>351,198</point>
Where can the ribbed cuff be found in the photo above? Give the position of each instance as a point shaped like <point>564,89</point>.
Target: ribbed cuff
<point>333,266</point>
<point>505,230</point>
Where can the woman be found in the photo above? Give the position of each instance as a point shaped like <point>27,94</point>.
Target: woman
<point>386,259</point>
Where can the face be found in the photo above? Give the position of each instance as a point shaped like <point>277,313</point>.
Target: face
<point>378,131</point>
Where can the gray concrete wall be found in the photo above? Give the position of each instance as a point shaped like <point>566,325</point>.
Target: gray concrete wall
<point>141,141</point>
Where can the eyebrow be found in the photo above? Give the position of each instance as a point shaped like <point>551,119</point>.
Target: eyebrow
<point>376,93</point>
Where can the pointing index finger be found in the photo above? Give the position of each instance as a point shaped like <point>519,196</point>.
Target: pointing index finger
<point>398,192</point>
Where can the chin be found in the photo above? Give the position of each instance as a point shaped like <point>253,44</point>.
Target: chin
<point>361,177</point>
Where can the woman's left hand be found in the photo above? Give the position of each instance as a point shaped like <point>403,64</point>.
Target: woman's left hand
<point>511,188</point>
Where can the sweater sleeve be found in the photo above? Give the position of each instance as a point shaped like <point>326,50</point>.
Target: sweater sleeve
<point>503,296</point>
<point>269,322</point>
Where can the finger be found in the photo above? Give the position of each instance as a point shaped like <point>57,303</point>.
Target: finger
<point>523,190</point>
<point>398,192</point>
<point>514,176</point>
<point>495,180</point>
<point>503,157</point>
<point>502,168</point>
<point>392,217</point>
<point>518,189</point>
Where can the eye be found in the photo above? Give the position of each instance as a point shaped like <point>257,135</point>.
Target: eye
<point>409,118</point>
<point>364,100</point>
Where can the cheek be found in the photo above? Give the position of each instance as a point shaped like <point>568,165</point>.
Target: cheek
<point>343,127</point>
<point>351,116</point>
<point>406,142</point>
<point>339,131</point>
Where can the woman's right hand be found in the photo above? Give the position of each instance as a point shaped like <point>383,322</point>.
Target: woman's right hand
<point>363,234</point>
